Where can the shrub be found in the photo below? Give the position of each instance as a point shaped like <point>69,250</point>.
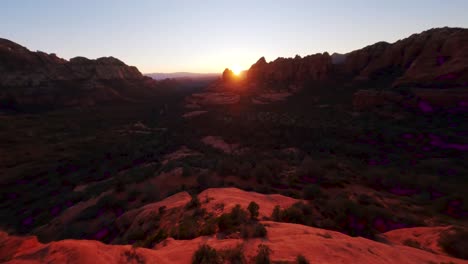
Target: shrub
<point>186,171</point>
<point>234,255</point>
<point>310,167</point>
<point>119,185</point>
<point>276,214</point>
<point>255,229</point>
<point>136,234</point>
<point>226,167</point>
<point>259,230</point>
<point>293,215</point>
<point>412,243</point>
<point>253,209</point>
<point>133,194</point>
<point>204,180</point>
<point>194,203</point>
<point>245,170</point>
<point>187,229</point>
<point>150,194</point>
<point>162,210</point>
<point>231,222</point>
<point>262,174</point>
<point>155,238</point>
<point>209,228</point>
<point>263,255</point>
<point>206,255</point>
<point>455,242</point>
<point>300,259</point>
<point>311,192</point>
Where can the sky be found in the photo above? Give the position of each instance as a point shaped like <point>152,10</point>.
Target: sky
<point>208,35</point>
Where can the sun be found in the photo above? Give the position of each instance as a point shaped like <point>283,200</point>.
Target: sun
<point>236,69</point>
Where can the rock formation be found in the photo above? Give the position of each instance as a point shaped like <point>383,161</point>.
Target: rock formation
<point>436,58</point>
<point>286,240</point>
<point>228,75</point>
<point>37,78</point>
<point>284,73</point>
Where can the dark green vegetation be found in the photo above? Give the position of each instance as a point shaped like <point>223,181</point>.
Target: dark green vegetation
<point>263,255</point>
<point>301,260</point>
<point>237,221</point>
<point>455,242</point>
<point>207,255</point>
<point>361,173</point>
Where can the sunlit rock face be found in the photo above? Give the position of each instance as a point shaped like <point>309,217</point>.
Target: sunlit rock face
<point>38,78</point>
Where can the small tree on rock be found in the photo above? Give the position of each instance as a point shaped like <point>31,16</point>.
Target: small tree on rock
<point>253,209</point>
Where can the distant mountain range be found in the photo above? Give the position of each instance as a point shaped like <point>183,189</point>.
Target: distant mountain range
<point>178,75</point>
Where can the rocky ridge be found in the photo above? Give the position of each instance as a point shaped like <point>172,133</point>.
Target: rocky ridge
<point>38,78</point>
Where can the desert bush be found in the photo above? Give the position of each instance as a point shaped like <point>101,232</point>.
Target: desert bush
<point>119,185</point>
<point>154,239</point>
<point>206,255</point>
<point>204,180</point>
<point>253,210</point>
<point>232,221</point>
<point>276,214</point>
<point>365,199</point>
<point>259,230</point>
<point>297,213</point>
<point>412,243</point>
<point>227,166</point>
<point>133,194</point>
<point>209,228</point>
<point>234,255</point>
<point>194,203</point>
<point>263,255</point>
<point>300,259</point>
<point>311,192</point>
<point>293,215</point>
<point>187,171</point>
<point>136,234</point>
<point>455,242</point>
<point>253,230</point>
<point>187,229</point>
<point>310,167</point>
<point>162,210</point>
<point>245,170</point>
<point>262,174</point>
<point>150,193</point>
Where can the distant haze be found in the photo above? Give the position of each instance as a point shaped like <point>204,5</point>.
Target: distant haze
<point>208,36</point>
<point>178,75</point>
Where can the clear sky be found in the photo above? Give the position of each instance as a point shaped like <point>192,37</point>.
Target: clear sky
<point>207,35</point>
